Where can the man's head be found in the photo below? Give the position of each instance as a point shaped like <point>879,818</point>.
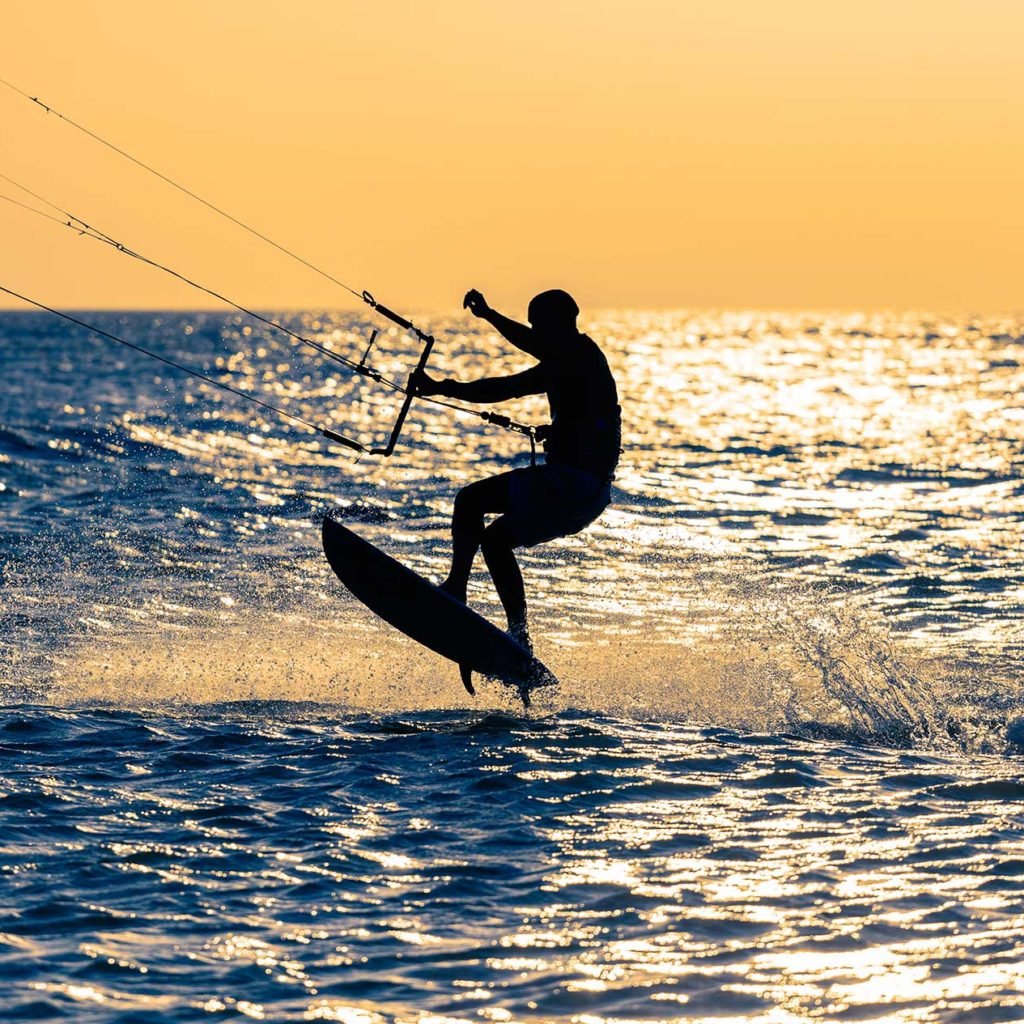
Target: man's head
<point>553,312</point>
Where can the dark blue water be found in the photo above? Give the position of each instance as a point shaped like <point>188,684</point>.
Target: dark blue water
<point>781,777</point>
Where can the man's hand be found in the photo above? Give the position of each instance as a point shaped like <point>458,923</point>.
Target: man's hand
<point>426,385</point>
<point>476,303</point>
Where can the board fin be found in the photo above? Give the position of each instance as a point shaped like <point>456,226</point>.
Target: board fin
<point>466,674</point>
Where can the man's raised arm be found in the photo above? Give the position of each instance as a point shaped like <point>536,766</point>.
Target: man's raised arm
<point>518,334</point>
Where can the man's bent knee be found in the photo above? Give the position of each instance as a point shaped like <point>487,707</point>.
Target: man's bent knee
<point>466,506</point>
<point>497,539</point>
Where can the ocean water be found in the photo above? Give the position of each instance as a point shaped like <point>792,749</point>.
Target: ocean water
<point>780,780</point>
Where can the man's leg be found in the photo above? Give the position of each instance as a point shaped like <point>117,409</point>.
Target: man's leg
<point>498,545</point>
<point>471,504</point>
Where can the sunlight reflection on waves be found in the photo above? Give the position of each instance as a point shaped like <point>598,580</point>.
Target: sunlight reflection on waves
<point>277,864</point>
<point>796,479</point>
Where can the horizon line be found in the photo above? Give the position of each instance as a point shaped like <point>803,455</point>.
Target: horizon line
<point>435,311</point>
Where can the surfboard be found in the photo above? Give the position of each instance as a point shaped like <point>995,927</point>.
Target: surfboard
<point>428,615</point>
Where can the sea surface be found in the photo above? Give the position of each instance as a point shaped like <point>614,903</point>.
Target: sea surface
<point>781,779</point>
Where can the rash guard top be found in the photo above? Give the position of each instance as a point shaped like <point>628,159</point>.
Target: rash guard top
<point>586,429</point>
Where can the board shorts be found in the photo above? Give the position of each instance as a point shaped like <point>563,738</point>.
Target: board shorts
<point>549,501</point>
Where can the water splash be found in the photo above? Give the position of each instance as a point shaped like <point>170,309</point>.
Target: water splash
<point>788,657</point>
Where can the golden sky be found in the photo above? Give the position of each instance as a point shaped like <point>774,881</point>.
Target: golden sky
<point>651,153</point>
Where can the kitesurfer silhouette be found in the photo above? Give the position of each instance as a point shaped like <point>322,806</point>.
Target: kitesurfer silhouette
<point>573,486</point>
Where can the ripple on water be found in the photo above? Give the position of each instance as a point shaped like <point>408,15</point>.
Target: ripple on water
<point>319,861</point>
<point>288,835</point>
